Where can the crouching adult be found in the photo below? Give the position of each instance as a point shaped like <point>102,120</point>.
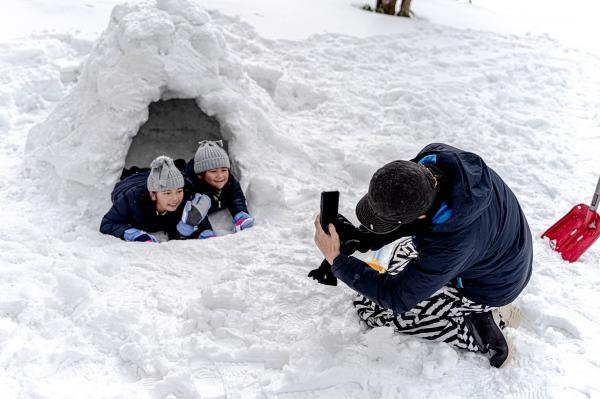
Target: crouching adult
<point>473,243</point>
<point>153,201</point>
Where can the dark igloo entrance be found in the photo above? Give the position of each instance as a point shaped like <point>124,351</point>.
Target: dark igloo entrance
<point>174,128</point>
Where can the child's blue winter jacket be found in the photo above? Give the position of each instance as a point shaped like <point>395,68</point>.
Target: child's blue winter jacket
<point>230,197</point>
<point>133,208</point>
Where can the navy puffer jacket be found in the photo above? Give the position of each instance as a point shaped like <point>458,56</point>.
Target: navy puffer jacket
<point>230,197</point>
<point>477,239</point>
<point>133,208</point>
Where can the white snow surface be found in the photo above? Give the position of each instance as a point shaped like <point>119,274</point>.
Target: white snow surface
<point>86,315</point>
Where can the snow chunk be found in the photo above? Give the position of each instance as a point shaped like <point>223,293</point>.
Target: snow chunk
<point>265,191</point>
<point>222,299</point>
<point>442,361</point>
<point>136,28</point>
<point>8,328</point>
<point>188,9</point>
<point>72,290</point>
<point>297,96</point>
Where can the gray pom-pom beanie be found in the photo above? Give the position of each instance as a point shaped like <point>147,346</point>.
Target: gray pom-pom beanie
<point>164,175</point>
<point>210,155</point>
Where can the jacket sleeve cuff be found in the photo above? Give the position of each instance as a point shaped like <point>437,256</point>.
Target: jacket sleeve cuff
<point>339,263</point>
<point>354,272</point>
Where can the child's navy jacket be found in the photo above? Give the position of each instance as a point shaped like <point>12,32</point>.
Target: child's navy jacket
<point>133,208</point>
<point>230,197</point>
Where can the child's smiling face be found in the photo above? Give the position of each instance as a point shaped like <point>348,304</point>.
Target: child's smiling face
<point>216,178</point>
<point>167,200</point>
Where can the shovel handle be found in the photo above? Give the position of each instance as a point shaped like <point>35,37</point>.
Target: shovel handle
<point>595,198</point>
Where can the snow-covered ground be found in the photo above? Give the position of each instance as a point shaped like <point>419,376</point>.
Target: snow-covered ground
<point>87,315</point>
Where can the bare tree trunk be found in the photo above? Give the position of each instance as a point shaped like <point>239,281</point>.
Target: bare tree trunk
<point>387,6</point>
<point>405,8</point>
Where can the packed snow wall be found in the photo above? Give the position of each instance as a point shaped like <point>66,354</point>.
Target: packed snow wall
<point>151,51</point>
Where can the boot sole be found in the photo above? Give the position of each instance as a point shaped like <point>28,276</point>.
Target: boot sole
<point>509,315</point>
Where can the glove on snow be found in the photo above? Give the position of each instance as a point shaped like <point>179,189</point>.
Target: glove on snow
<point>138,235</point>
<point>194,211</point>
<point>207,234</point>
<point>242,221</point>
<point>323,274</point>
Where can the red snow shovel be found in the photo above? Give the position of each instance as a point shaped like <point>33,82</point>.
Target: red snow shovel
<point>577,230</point>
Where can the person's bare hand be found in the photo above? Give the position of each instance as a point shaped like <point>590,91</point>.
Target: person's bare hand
<point>329,245</point>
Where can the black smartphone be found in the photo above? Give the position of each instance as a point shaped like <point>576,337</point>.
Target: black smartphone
<point>329,208</point>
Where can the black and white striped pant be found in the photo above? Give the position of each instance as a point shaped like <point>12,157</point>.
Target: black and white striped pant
<point>439,318</point>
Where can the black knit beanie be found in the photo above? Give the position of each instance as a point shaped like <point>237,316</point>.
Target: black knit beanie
<point>399,192</point>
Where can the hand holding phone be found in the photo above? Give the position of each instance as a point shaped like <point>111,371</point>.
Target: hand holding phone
<point>329,208</point>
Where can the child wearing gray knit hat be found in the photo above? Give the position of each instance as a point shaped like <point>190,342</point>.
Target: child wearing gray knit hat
<point>210,155</point>
<point>155,200</point>
<point>164,175</point>
<point>210,174</point>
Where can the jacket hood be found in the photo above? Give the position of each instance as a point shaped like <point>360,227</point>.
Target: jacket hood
<point>470,186</point>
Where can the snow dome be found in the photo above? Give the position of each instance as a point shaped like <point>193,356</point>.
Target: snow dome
<point>160,76</point>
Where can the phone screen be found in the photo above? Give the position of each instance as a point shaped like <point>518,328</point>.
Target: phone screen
<point>329,208</point>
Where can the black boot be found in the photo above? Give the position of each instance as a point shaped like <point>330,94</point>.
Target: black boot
<point>488,337</point>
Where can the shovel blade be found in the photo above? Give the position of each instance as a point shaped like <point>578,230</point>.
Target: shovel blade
<point>575,232</point>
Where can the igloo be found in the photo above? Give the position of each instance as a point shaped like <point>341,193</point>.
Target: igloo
<point>163,57</point>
